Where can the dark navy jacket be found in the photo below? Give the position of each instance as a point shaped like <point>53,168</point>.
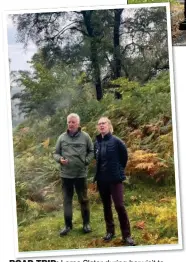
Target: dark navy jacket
<point>111,158</point>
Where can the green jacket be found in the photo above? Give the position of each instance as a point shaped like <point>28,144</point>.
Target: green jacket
<point>78,149</point>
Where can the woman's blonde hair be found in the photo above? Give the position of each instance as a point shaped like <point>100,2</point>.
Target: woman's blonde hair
<point>109,122</point>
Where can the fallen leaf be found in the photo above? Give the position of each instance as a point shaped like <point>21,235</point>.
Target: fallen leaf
<point>140,225</point>
<point>165,200</point>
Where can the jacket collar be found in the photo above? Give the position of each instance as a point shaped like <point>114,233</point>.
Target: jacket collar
<point>74,134</point>
<point>105,138</point>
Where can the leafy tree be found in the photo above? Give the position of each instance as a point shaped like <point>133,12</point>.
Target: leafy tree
<point>51,30</point>
<point>105,44</point>
<point>146,52</point>
<point>44,90</point>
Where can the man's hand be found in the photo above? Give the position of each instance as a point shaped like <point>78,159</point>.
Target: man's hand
<point>63,161</point>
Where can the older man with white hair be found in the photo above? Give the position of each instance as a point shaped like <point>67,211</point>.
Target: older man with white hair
<point>74,151</point>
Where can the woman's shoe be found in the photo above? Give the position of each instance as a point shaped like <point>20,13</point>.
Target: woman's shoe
<point>129,241</point>
<point>108,236</point>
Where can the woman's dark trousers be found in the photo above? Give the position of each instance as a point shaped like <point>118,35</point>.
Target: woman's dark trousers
<point>109,192</point>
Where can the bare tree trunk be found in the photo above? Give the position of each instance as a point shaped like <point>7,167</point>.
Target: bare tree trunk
<point>96,69</point>
<point>116,41</point>
<point>87,15</point>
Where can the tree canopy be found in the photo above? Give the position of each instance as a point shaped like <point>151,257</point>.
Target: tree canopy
<point>104,44</point>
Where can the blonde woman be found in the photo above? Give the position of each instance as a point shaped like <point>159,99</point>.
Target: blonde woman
<point>111,159</point>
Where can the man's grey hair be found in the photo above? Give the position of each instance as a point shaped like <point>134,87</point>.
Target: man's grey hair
<point>74,116</point>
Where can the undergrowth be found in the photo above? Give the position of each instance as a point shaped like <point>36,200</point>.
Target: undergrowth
<point>152,217</point>
<point>142,119</point>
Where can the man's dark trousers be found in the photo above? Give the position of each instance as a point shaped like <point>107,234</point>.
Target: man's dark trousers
<point>80,186</point>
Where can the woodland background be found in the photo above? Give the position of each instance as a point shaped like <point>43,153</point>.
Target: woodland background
<point>94,62</point>
<point>177,16</point>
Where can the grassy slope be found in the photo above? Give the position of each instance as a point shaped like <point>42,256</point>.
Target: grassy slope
<point>152,213</point>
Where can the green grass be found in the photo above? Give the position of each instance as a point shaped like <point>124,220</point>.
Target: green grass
<point>151,210</point>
